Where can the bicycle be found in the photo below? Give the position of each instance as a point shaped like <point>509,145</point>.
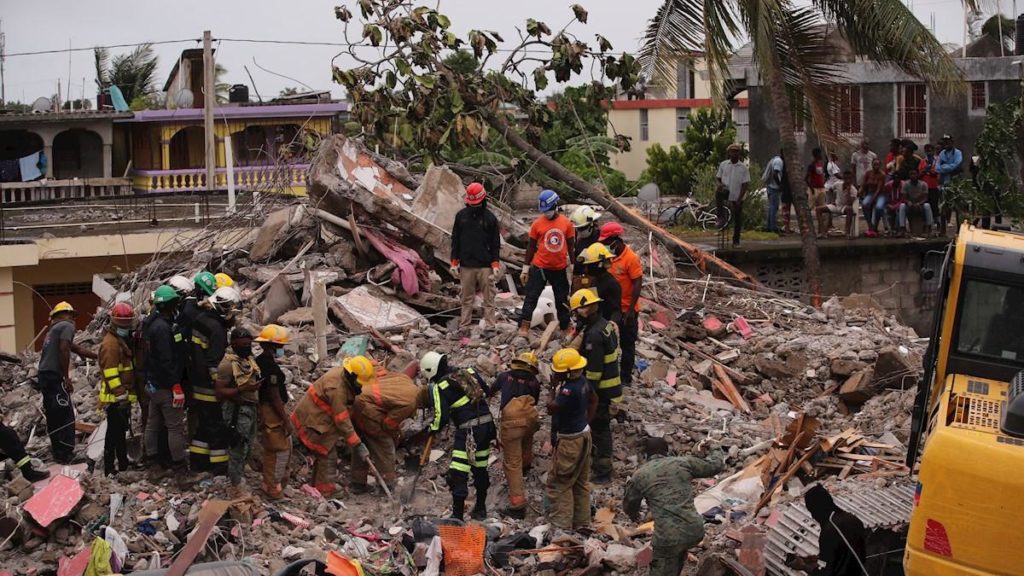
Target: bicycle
<point>692,214</point>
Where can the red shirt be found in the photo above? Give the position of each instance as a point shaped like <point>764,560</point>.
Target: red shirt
<point>626,268</point>
<point>816,174</point>
<point>552,238</point>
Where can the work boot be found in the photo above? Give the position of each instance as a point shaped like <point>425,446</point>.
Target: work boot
<point>516,513</point>
<point>275,492</point>
<point>237,492</point>
<point>458,509</point>
<point>358,488</point>
<point>326,489</point>
<point>601,479</point>
<point>524,328</point>
<point>31,474</point>
<point>156,472</point>
<point>479,511</point>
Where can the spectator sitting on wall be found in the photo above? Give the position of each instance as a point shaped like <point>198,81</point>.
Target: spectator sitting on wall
<point>873,197</point>
<point>931,177</point>
<point>833,172</point>
<point>861,161</point>
<point>890,157</point>
<point>915,200</point>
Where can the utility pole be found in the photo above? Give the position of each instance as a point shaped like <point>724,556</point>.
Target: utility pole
<point>208,103</point>
<point>3,56</point>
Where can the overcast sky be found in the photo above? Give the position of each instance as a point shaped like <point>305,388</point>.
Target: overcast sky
<point>54,24</point>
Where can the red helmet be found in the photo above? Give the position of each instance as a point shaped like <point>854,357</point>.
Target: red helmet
<point>475,194</point>
<point>610,230</point>
<point>122,314</point>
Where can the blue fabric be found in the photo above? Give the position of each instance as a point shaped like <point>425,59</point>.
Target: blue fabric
<point>950,162</point>
<point>571,398</point>
<point>774,196</point>
<point>117,98</point>
<point>30,167</point>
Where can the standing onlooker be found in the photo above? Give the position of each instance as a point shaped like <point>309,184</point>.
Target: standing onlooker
<point>930,176</point>
<point>627,269</point>
<point>552,239</point>
<point>951,160</point>
<point>774,181</point>
<point>873,197</point>
<point>475,247</point>
<point>833,171</point>
<point>861,161</point>
<point>915,199</point>
<point>815,180</point>
<point>734,176</point>
<point>55,381</point>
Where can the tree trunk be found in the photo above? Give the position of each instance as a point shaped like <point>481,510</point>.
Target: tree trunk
<point>704,261</point>
<point>787,136</point>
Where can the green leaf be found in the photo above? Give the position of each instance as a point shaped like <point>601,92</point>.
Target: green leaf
<point>457,103</point>
<point>427,82</point>
<point>405,132</point>
<point>403,67</point>
<point>444,137</point>
<point>342,13</point>
<point>390,79</point>
<point>366,8</point>
<point>443,21</point>
<point>451,40</point>
<point>580,12</point>
<point>495,35</point>
<point>603,44</point>
<point>373,33</point>
<point>540,78</point>
<point>537,29</point>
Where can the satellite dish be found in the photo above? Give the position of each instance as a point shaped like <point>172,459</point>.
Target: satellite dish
<point>648,198</point>
<point>184,98</point>
<point>42,104</point>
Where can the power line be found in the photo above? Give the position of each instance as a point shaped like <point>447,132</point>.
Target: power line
<point>91,48</point>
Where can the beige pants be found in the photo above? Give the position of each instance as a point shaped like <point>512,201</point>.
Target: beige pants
<point>474,280</point>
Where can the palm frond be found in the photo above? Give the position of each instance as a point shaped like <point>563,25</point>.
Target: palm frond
<point>887,32</point>
<point>101,56</point>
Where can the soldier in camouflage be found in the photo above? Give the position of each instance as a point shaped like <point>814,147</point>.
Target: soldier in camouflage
<point>665,483</point>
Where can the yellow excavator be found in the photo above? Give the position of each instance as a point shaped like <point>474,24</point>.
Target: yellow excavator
<point>968,420</point>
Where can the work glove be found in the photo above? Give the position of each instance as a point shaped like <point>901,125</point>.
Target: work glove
<point>454,268</point>
<point>524,276</point>
<point>177,396</point>
<point>362,452</point>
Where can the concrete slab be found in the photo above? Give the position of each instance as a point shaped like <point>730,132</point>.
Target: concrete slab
<point>55,501</point>
<point>363,308</point>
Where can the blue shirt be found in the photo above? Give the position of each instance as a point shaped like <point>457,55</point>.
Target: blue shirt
<point>572,398</point>
<point>950,162</point>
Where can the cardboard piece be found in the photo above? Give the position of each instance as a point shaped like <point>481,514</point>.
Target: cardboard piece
<point>56,500</point>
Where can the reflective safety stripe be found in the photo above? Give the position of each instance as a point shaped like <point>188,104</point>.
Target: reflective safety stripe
<point>442,385</point>
<point>199,447</point>
<point>204,397</point>
<point>342,416</point>
<point>23,461</point>
<point>593,375</point>
<point>178,338</point>
<point>110,372</point>
<point>480,463</point>
<point>613,357</point>
<point>320,402</point>
<point>459,466</point>
<point>436,424</point>
<point>114,383</point>
<point>460,402</point>
<point>460,454</point>
<point>125,368</point>
<point>353,439</point>
<point>483,453</point>
<point>609,383</point>
<point>391,423</point>
<point>200,341</point>
<point>301,430</point>
<point>132,397</point>
<point>218,458</point>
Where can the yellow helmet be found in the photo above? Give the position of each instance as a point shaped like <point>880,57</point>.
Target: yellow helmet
<point>224,280</point>
<point>568,359</point>
<point>361,367</point>
<point>61,307</point>
<point>274,334</point>
<point>594,253</point>
<point>583,297</point>
<point>527,360</point>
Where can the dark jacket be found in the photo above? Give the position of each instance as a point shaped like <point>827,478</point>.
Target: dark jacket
<point>451,404</point>
<point>833,550</point>
<point>610,291</point>
<point>601,349</point>
<point>272,378</point>
<point>475,238</point>
<point>582,243</point>
<point>209,342</point>
<point>515,383</point>
<point>163,360</point>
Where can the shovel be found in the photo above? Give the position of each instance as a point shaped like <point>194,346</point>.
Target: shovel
<point>424,458</point>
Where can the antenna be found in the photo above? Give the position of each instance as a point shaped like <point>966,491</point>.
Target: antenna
<point>3,56</point>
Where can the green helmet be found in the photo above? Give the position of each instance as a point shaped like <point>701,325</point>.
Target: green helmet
<point>164,294</point>
<point>206,281</point>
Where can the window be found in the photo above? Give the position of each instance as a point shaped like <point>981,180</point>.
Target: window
<point>685,80</point>
<point>988,317</point>
<point>979,97</point>
<point>682,121</point>
<point>850,109</point>
<point>645,133</point>
<point>912,110</point>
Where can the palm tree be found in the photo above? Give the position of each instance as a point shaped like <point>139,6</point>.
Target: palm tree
<point>221,89</point>
<point>790,54</point>
<point>134,73</point>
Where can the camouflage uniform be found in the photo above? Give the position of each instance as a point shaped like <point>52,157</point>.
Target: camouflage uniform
<point>665,484</point>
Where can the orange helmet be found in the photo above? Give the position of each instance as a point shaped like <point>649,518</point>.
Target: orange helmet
<point>122,315</point>
<point>475,194</point>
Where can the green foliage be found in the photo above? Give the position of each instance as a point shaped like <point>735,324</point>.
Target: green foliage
<point>577,112</point>
<point>134,73</point>
<point>755,203</point>
<point>16,107</point>
<point>462,62</point>
<point>668,169</point>
<point>677,170</point>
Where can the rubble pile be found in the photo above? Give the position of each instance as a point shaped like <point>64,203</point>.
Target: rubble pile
<point>792,394</point>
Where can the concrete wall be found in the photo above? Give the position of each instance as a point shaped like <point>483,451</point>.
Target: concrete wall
<point>48,131</point>
<point>661,130</point>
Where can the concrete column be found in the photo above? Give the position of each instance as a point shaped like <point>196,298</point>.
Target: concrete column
<point>108,159</point>
<point>165,154</point>
<point>48,150</point>
<point>8,342</point>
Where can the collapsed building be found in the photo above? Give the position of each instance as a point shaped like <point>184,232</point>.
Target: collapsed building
<point>794,395</point>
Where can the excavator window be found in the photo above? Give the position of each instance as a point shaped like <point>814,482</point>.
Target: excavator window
<point>991,316</point>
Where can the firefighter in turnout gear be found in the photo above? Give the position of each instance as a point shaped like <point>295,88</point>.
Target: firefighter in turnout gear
<point>163,371</point>
<point>237,388</point>
<point>572,405</point>
<point>117,385</point>
<point>323,417</point>
<point>600,347</point>
<point>459,396</point>
<point>584,220</point>
<point>385,402</point>
<point>595,262</point>
<point>275,427</point>
<point>520,392</point>
<point>208,450</point>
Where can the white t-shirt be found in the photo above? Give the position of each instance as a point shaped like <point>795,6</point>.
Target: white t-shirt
<point>733,176</point>
<point>862,164</point>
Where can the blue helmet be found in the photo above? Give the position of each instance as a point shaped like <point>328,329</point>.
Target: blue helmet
<point>547,200</point>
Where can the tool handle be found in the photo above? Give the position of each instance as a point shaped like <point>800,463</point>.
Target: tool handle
<point>425,457</point>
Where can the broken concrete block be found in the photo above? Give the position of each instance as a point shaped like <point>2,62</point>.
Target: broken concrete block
<point>775,368</point>
<point>365,308</point>
<point>858,388</point>
<point>844,367</point>
<point>297,317</point>
<point>893,369</point>
<point>619,557</point>
<point>55,501</point>
<point>280,299</point>
<point>271,234</point>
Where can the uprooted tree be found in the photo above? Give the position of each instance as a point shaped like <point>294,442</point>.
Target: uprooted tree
<point>409,79</point>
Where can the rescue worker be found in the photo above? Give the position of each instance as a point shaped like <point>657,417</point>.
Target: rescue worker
<point>595,262</point>
<point>552,240</point>
<point>842,540</point>
<point>665,483</point>
<point>323,417</point>
<point>386,400</point>
<point>600,347</point>
<point>275,427</point>
<point>459,396</point>
<point>12,447</point>
<point>475,261</point>
<point>222,280</point>
<point>55,381</point>
<point>166,395</point>
<point>627,269</point>
<point>208,450</point>
<point>572,404</point>
<point>583,219</point>
<point>117,385</point>
<point>192,292</point>
<point>520,393</point>
<point>237,389</point>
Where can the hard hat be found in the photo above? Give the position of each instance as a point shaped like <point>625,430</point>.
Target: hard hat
<point>527,360</point>
<point>206,281</point>
<point>361,367</point>
<point>223,280</point>
<point>61,307</point>
<point>226,295</point>
<point>583,297</point>
<point>182,284</point>
<point>584,216</point>
<point>164,294</point>
<point>610,230</point>
<point>567,359</point>
<point>595,253</point>
<point>475,194</point>
<point>548,200</point>
<point>122,315</point>
<point>430,364</point>
<point>274,334</point>
<point>240,333</point>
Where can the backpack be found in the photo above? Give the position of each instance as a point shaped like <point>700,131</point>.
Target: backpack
<point>465,379</point>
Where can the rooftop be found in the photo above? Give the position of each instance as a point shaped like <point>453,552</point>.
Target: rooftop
<point>50,117</point>
<point>242,112</point>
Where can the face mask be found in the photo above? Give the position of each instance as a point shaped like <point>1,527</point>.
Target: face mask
<point>550,214</point>
<point>124,332</point>
<point>279,353</point>
<point>243,352</point>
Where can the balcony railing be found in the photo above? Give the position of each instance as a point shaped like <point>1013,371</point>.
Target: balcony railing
<point>283,178</point>
<point>75,188</point>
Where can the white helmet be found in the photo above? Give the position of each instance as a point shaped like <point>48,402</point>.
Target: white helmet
<point>429,365</point>
<point>226,295</point>
<point>584,216</point>
<point>182,285</point>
